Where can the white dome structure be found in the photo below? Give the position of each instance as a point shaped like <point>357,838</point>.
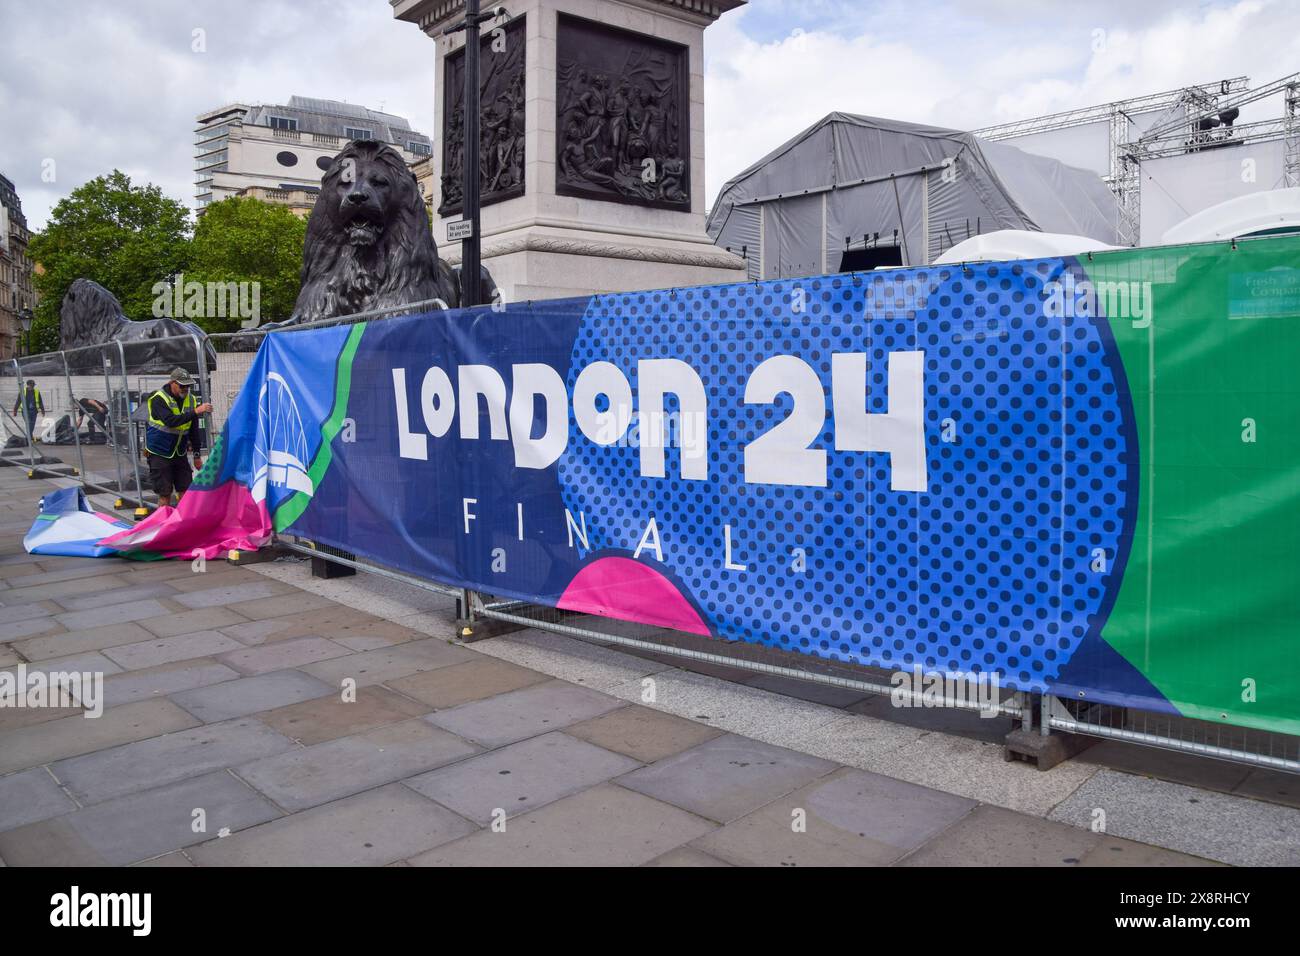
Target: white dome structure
<point>1265,213</point>
<point>1006,244</point>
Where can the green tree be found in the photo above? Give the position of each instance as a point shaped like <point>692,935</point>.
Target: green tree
<point>122,236</point>
<point>248,240</point>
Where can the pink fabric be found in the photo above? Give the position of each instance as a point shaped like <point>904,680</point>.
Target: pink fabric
<point>210,522</point>
<point>628,589</point>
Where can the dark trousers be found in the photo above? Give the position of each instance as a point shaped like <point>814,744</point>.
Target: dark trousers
<point>167,475</point>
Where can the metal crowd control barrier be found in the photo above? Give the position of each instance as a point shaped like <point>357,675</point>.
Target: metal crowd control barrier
<point>220,386</point>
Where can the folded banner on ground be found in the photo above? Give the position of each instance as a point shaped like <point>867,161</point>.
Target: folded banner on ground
<point>68,526</point>
<point>1076,475</point>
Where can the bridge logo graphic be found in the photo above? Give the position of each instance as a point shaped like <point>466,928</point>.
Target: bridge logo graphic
<point>280,451</point>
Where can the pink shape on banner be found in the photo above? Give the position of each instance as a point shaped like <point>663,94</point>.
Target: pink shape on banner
<point>210,521</point>
<point>632,591</point>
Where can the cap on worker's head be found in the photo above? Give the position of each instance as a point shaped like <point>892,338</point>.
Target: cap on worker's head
<point>181,377</point>
<point>31,381</point>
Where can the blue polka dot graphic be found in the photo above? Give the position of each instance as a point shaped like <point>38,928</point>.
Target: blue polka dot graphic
<point>1005,563</point>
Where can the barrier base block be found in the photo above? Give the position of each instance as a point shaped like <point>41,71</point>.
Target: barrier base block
<point>468,632</point>
<point>260,556</point>
<point>324,568</point>
<point>1045,752</point>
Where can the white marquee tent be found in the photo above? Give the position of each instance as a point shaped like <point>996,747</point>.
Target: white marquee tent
<point>850,176</point>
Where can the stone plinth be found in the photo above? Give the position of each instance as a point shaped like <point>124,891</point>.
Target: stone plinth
<point>596,165</point>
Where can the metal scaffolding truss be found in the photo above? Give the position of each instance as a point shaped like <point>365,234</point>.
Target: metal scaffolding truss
<point>1183,133</point>
<point>1175,131</point>
<point>1108,111</point>
<point>1124,173</point>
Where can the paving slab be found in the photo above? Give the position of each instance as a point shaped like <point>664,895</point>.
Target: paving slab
<point>24,612</point>
<point>322,622</point>
<point>603,826</point>
<point>9,656</point>
<point>188,622</point>
<point>389,663</point>
<point>238,591</point>
<point>851,818</point>
<point>181,575</point>
<point>11,718</point>
<point>978,770</point>
<point>1216,826</point>
<point>727,777</point>
<point>42,577</point>
<point>686,856</point>
<point>30,627</point>
<point>370,829</point>
<point>50,842</point>
<point>175,858</point>
<point>458,684</point>
<point>579,662</point>
<point>71,736</point>
<point>89,661</point>
<point>165,679</point>
<point>248,695</point>
<point>279,606</point>
<point>521,777</point>
<point>385,597</point>
<point>39,593</point>
<point>993,836</point>
<point>76,642</point>
<point>145,824</point>
<point>326,718</point>
<point>30,796</point>
<point>1114,851</point>
<point>439,623</point>
<point>102,776</point>
<point>359,631</point>
<point>310,776</point>
<point>282,654</point>
<point>748,711</point>
<point>123,595</point>
<point>19,564</point>
<point>168,650</point>
<point>58,563</point>
<point>113,614</point>
<point>642,733</point>
<point>503,719</point>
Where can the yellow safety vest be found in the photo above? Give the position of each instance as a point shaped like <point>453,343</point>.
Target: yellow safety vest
<point>164,440</point>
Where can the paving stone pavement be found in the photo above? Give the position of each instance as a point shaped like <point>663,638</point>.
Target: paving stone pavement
<point>333,723</point>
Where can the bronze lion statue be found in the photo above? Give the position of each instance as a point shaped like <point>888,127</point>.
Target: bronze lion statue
<point>369,245</point>
<point>90,315</point>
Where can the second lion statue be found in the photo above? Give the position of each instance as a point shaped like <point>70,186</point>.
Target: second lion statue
<point>369,244</point>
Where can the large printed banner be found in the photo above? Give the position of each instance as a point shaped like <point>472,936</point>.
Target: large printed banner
<point>1082,476</point>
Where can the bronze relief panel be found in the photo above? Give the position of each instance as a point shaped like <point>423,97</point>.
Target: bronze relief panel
<point>622,116</point>
<point>501,128</point>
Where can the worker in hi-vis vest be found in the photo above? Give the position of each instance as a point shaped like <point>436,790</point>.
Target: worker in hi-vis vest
<point>171,433</point>
<point>30,400</point>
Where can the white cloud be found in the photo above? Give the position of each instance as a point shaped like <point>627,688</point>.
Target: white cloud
<point>967,65</point>
<point>95,86</point>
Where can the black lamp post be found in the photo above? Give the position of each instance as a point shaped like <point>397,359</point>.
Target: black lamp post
<point>25,322</point>
<point>470,248</point>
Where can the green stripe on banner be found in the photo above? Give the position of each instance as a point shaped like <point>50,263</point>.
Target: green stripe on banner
<point>290,510</point>
<point>1208,605</point>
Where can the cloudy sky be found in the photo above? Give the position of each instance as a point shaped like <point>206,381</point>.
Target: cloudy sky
<point>93,86</point>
